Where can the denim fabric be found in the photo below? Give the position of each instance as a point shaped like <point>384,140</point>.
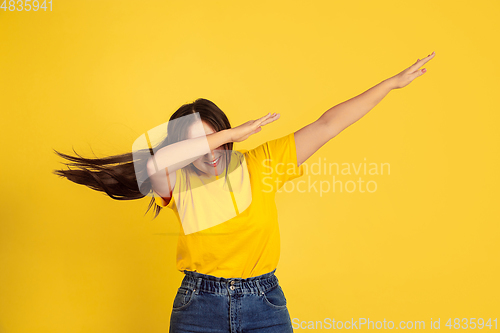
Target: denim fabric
<point>205,303</point>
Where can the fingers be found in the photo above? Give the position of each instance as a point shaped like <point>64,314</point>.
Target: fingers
<point>418,73</point>
<point>273,117</point>
<point>264,120</point>
<point>257,130</point>
<point>421,62</point>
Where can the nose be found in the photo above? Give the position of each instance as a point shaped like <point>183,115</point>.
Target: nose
<point>210,156</point>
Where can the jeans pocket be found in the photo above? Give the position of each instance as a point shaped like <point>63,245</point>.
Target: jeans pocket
<point>275,298</point>
<point>183,298</point>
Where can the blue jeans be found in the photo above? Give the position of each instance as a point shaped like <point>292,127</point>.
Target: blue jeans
<point>209,304</point>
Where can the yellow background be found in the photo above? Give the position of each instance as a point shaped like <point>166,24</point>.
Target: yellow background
<point>97,74</point>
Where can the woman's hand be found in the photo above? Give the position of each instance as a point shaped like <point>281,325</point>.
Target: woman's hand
<point>405,77</point>
<point>242,132</point>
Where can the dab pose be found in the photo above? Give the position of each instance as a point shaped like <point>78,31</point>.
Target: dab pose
<point>229,261</point>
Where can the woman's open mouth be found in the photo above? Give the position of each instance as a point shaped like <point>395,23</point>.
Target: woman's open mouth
<point>215,162</point>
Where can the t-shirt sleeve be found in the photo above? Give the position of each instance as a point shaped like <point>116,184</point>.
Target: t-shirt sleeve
<point>163,202</point>
<point>277,161</point>
<point>166,201</point>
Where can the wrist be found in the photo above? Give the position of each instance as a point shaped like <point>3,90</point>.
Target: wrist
<point>390,83</point>
<point>218,139</point>
<point>226,135</point>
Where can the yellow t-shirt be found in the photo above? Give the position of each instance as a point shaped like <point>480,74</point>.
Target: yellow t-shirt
<point>248,244</point>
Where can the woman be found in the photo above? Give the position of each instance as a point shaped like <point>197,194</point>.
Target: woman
<point>229,251</point>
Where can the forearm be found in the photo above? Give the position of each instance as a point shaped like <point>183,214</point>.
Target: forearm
<point>178,155</point>
<point>346,113</point>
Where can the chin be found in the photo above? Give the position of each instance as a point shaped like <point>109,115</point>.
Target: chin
<point>205,171</point>
<point>210,171</point>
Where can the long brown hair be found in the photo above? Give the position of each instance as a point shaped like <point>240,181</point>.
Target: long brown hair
<point>117,175</point>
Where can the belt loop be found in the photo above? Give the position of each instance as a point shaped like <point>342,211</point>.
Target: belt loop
<point>198,284</point>
<point>259,287</point>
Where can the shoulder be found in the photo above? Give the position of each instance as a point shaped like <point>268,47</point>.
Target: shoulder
<point>274,148</point>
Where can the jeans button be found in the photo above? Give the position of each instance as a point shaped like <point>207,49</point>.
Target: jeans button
<point>232,287</point>
<point>232,282</point>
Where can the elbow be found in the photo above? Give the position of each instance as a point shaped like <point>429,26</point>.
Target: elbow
<point>332,127</point>
<point>150,166</point>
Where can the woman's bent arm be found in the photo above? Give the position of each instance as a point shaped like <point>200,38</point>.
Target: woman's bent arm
<point>182,153</point>
<point>177,155</point>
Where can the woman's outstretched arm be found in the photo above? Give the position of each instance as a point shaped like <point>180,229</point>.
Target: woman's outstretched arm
<point>311,137</point>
